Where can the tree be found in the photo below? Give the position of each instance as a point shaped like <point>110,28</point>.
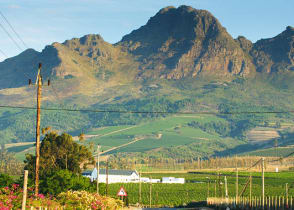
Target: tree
<point>278,124</point>
<point>64,180</point>
<point>5,180</point>
<point>59,152</point>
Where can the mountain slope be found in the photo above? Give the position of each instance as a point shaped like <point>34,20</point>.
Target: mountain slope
<point>185,42</point>
<point>275,54</point>
<point>182,60</point>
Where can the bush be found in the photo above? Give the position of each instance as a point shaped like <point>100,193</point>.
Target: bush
<point>85,200</point>
<point>64,180</point>
<point>5,180</point>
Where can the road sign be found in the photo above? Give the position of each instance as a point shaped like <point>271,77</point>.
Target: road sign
<point>122,192</point>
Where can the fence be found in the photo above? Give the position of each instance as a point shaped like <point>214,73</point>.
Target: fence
<point>270,203</point>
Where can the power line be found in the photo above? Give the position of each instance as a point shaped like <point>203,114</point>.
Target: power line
<point>8,34</point>
<point>3,53</point>
<point>147,112</point>
<point>18,36</point>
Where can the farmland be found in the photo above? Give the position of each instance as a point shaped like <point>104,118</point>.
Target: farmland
<point>196,188</point>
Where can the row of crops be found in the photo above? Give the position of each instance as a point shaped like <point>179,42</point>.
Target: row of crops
<point>199,186</point>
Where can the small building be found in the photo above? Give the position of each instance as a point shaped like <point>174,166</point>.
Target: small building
<point>173,180</point>
<point>114,176</point>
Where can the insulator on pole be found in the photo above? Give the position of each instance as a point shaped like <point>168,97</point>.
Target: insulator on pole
<point>48,82</point>
<point>40,65</point>
<point>30,81</point>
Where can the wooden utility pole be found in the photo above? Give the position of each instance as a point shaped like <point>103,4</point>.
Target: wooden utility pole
<point>237,185</point>
<point>39,98</point>
<point>226,187</point>
<point>219,185</point>
<point>24,196</point>
<point>107,177</point>
<point>208,187</point>
<point>250,187</point>
<point>263,183</point>
<point>39,84</point>
<point>150,193</point>
<point>140,185</point>
<point>215,188</point>
<point>98,167</point>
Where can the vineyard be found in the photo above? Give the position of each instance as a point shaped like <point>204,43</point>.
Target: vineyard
<point>199,186</point>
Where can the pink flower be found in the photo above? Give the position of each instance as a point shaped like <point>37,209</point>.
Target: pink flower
<point>41,196</point>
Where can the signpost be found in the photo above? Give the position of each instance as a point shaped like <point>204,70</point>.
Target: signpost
<point>122,192</point>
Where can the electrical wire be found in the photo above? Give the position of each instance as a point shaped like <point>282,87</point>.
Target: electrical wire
<point>147,112</point>
<point>9,35</point>
<point>3,53</point>
<point>18,36</point>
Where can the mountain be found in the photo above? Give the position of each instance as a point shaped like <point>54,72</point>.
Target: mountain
<point>185,42</point>
<point>182,60</point>
<point>275,54</point>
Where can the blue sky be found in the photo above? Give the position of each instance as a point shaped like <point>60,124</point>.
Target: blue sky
<point>41,22</point>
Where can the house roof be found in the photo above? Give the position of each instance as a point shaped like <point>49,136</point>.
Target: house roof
<point>112,172</point>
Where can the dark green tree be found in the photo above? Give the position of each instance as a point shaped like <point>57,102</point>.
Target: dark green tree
<point>278,124</point>
<point>63,180</point>
<point>5,180</point>
<point>58,152</point>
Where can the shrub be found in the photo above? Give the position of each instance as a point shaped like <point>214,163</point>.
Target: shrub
<point>64,180</point>
<point>85,200</point>
<point>5,180</point>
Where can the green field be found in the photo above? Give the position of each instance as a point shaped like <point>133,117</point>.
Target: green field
<point>196,187</point>
<point>173,130</point>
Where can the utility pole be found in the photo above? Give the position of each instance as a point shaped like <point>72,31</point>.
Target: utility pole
<point>237,185</point>
<point>107,177</point>
<point>219,185</point>
<point>215,188</point>
<point>286,190</point>
<point>39,84</point>
<point>250,186</point>
<point>208,187</point>
<point>150,193</point>
<point>98,167</point>
<point>39,98</point>
<point>140,186</point>
<point>263,183</point>
<point>226,187</point>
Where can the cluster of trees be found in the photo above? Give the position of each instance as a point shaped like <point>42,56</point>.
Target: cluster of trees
<point>222,128</point>
<point>8,163</point>
<point>60,165</point>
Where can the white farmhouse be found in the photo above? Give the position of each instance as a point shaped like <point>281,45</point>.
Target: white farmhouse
<point>114,176</point>
<point>173,180</point>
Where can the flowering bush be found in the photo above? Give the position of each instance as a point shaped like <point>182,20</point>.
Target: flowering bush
<point>86,200</point>
<point>11,198</point>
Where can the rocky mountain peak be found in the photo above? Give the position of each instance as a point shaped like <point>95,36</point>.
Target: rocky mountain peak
<point>179,42</point>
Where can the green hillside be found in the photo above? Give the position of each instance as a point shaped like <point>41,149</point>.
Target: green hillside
<point>182,60</point>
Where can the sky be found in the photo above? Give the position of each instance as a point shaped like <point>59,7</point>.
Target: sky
<point>42,22</point>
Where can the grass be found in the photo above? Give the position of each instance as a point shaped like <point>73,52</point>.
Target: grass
<point>196,187</point>
<point>174,131</point>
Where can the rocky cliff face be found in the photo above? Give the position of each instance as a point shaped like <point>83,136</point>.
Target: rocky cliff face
<point>275,54</point>
<point>185,42</point>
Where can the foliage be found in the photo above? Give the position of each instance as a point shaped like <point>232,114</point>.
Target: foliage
<point>5,180</point>
<point>8,163</point>
<point>60,181</point>
<point>11,198</point>
<point>59,152</point>
<point>85,200</point>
